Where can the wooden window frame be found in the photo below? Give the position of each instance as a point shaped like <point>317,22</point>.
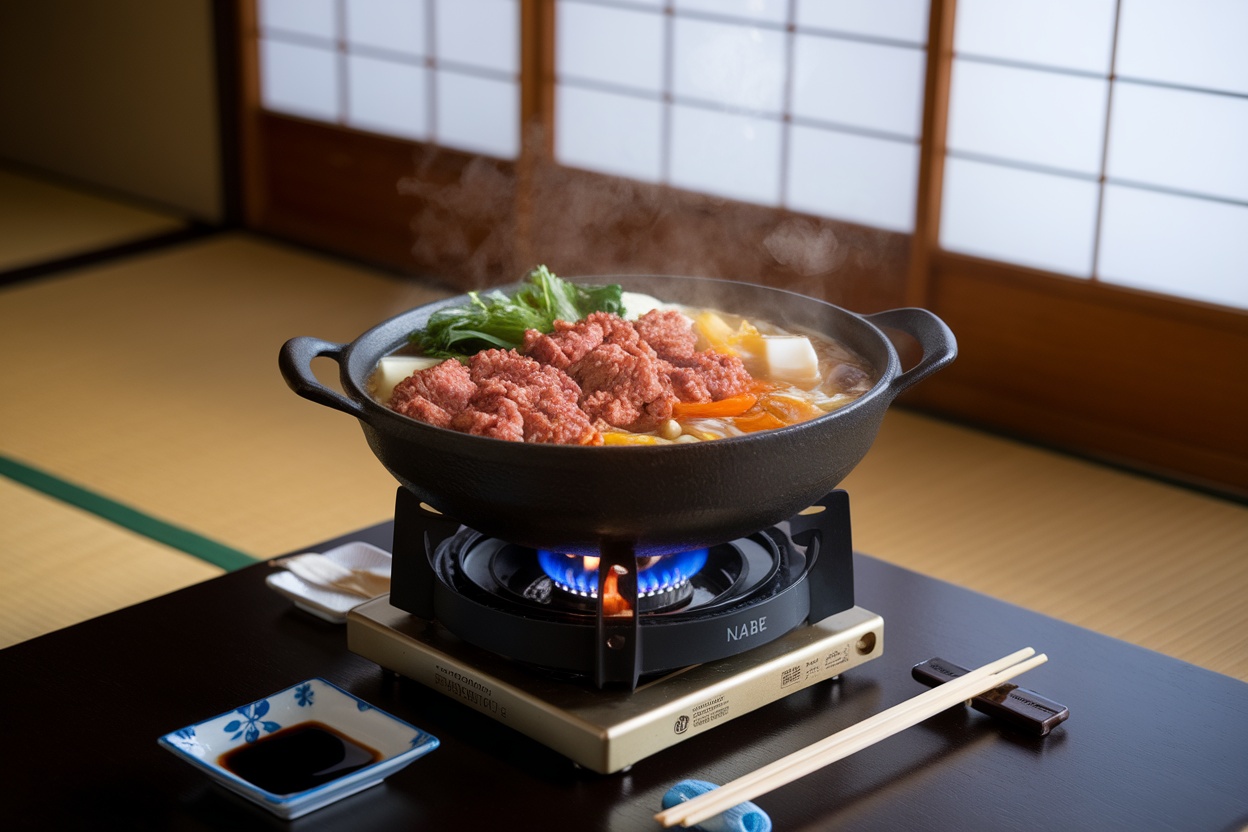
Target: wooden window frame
<point>1152,383</point>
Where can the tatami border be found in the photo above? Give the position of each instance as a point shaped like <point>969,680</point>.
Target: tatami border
<point>122,515</point>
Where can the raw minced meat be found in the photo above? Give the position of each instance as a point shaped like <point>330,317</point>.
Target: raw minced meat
<point>511,397</point>
<point>705,376</point>
<point>708,377</point>
<point>567,386</point>
<point>622,380</point>
<point>623,389</point>
<point>434,395</point>
<point>668,333</point>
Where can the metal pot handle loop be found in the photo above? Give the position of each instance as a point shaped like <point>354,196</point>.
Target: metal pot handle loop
<point>295,362</point>
<point>936,339</point>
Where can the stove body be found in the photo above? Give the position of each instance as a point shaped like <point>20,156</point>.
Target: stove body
<point>612,662</point>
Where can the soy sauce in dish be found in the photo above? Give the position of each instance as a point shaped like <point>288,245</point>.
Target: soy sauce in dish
<point>298,758</point>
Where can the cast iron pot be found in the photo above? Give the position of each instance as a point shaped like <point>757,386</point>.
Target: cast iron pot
<point>655,499</point>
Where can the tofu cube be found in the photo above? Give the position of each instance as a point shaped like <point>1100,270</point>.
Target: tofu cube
<point>791,358</point>
<point>394,368</point>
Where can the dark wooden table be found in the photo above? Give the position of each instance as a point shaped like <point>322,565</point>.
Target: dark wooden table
<point>1152,743</point>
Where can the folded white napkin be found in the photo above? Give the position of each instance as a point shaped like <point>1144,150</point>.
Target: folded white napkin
<point>319,570</point>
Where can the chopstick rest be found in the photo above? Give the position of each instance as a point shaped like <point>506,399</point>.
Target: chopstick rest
<point>744,817</point>
<point>1017,707</point>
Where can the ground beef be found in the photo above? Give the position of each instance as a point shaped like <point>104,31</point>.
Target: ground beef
<point>709,376</point>
<point>547,398</point>
<point>622,389</point>
<point>434,395</point>
<point>696,376</point>
<point>581,378</point>
<point>491,413</point>
<point>501,394</point>
<point>668,333</point>
<point>565,345</point>
<point>622,381</point>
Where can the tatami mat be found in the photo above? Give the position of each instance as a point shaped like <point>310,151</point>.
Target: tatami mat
<point>60,565</point>
<point>153,380</point>
<point>1131,557</point>
<point>42,221</point>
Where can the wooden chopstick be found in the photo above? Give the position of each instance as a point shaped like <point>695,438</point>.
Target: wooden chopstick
<point>850,740</point>
<point>869,725</point>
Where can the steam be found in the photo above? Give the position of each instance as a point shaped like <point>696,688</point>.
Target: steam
<point>808,249</point>
<point>470,232</point>
<point>465,227</point>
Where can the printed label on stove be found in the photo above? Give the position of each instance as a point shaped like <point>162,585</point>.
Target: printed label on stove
<point>747,628</point>
<point>813,669</point>
<point>836,658</point>
<point>703,714</point>
<point>462,686</point>
<point>816,667</point>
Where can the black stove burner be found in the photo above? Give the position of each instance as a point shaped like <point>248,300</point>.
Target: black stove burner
<point>623,617</point>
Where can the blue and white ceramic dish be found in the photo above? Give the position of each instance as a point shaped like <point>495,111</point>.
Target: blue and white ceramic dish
<point>397,743</point>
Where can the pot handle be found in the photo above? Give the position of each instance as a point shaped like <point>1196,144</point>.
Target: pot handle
<point>295,362</point>
<point>936,339</point>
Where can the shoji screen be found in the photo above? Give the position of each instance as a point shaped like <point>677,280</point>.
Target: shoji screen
<point>1103,140</point>
<point>439,71</point>
<point>812,106</point>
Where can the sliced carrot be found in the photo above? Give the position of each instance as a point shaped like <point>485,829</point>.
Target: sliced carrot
<point>758,420</point>
<point>731,406</point>
<point>790,409</point>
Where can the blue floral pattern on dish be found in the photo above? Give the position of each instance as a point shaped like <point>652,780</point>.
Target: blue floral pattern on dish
<point>204,743</point>
<point>252,722</point>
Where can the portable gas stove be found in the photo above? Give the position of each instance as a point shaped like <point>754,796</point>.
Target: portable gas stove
<point>611,659</point>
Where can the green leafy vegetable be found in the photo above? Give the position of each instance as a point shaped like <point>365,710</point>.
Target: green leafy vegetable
<point>494,320</point>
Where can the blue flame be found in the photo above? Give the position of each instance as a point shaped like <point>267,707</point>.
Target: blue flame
<point>660,575</point>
